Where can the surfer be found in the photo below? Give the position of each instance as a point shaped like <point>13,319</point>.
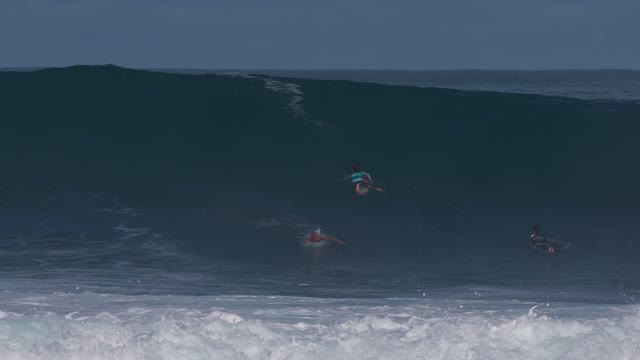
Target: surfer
<point>317,237</point>
<point>361,181</point>
<point>539,242</point>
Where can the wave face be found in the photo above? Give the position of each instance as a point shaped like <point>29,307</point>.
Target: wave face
<point>212,181</point>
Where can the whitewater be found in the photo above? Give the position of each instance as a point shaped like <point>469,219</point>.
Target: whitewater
<point>95,326</point>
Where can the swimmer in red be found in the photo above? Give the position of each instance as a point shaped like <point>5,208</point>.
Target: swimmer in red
<point>316,237</point>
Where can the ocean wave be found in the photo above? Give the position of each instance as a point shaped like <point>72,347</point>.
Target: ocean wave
<point>289,328</point>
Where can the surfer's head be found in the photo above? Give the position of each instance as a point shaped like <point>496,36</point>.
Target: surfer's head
<point>356,167</point>
<point>535,231</point>
<point>315,235</point>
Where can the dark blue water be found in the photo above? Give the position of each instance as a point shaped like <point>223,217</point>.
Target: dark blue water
<point>610,84</point>
<point>160,216</point>
<point>233,172</point>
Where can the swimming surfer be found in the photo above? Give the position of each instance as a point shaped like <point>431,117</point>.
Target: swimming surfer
<point>317,237</point>
<point>361,181</point>
<point>540,242</point>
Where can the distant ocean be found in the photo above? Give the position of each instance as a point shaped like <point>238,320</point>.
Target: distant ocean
<point>605,84</point>
<point>162,214</point>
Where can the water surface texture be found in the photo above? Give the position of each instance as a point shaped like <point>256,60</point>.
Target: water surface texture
<point>149,215</point>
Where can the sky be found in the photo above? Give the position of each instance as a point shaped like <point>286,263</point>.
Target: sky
<point>322,34</point>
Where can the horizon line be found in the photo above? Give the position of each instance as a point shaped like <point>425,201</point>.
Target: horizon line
<point>35,68</point>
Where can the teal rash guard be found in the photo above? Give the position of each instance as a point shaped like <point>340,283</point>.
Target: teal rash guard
<point>360,176</point>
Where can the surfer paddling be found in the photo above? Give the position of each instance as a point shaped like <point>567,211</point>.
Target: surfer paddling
<point>316,237</point>
<point>361,181</point>
<point>539,242</point>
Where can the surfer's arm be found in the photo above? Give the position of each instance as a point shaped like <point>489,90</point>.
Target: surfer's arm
<point>330,238</point>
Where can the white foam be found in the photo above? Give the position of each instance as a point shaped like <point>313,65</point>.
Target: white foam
<point>296,96</point>
<point>144,327</point>
<point>225,316</point>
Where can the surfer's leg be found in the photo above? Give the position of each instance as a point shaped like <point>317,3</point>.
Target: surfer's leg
<point>361,189</point>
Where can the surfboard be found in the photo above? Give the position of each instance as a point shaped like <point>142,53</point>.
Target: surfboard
<point>544,248</point>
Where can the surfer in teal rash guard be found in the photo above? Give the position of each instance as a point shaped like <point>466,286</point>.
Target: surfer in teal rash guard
<point>361,181</point>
